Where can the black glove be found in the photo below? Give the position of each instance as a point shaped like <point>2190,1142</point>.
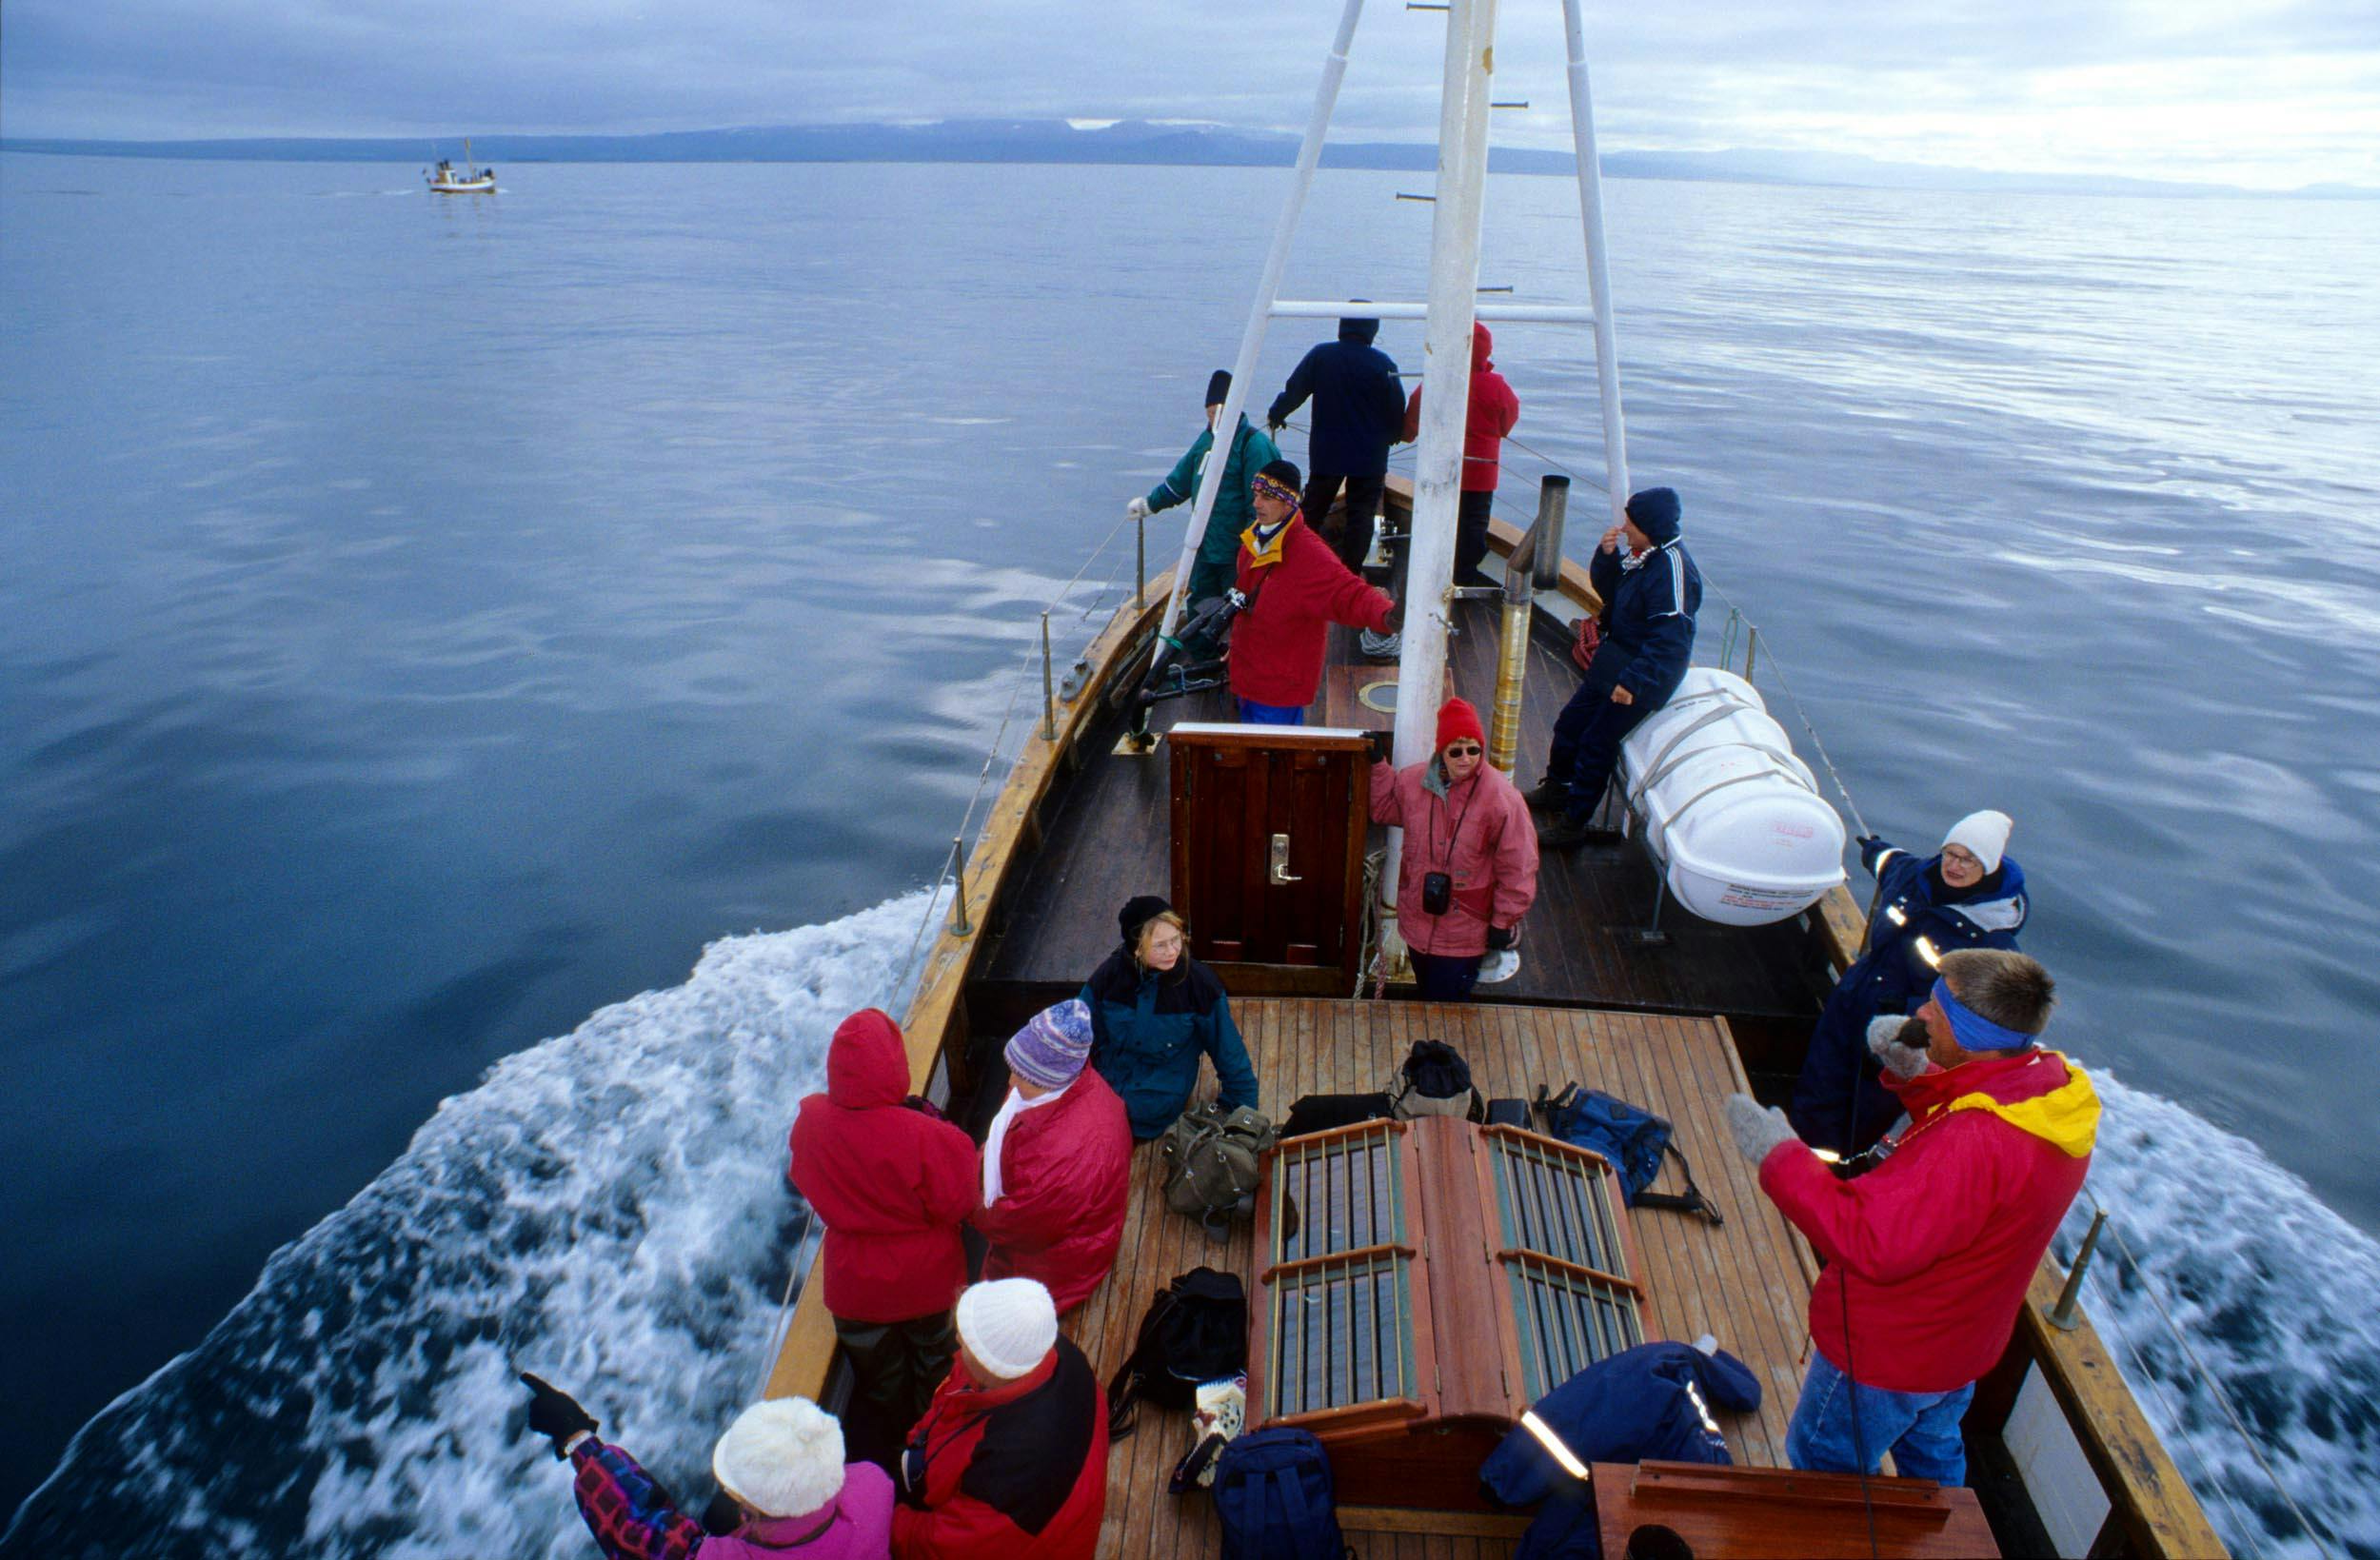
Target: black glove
<point>555,1413</point>
<point>1868,843</point>
<point>1394,621</point>
<point>1501,938</point>
<point>924,1107</point>
<point>1384,746</point>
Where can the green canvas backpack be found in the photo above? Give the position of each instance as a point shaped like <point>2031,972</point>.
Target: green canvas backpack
<point>1213,1163</point>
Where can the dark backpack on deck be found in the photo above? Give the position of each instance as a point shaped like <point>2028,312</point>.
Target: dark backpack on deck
<point>1435,1080</point>
<point>1634,1140</point>
<point>1214,1163</point>
<point>1196,1330</point>
<point>1273,1496</point>
<point>1320,1113</point>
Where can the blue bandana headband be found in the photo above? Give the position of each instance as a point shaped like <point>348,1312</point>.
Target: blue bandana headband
<point>1971,1029</point>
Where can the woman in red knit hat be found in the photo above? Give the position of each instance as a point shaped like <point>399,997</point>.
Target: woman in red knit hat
<point>1470,869</point>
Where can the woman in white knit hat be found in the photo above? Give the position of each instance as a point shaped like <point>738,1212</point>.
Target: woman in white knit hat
<point>781,1475</point>
<point>1970,894</point>
<point>1010,1461</point>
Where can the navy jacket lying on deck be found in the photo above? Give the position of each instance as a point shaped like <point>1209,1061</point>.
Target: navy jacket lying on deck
<point>1653,1402</point>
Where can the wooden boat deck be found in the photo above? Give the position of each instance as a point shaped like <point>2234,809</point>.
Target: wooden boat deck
<point>1106,841</point>
<point>1746,1282</point>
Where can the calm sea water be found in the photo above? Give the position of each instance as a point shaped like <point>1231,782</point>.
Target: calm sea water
<point>425,622</point>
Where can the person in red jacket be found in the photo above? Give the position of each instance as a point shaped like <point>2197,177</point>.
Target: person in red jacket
<point>1056,1167</point>
<point>1465,823</point>
<point>1491,414</point>
<point>1293,587</point>
<point>893,1182</point>
<point>1010,1461</point>
<point>1930,1252</point>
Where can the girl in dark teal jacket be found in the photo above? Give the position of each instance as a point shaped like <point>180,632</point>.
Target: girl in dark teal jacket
<point>1154,1012</point>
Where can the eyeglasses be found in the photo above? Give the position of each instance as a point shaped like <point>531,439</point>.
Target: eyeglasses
<point>1464,750</point>
<point>1267,487</point>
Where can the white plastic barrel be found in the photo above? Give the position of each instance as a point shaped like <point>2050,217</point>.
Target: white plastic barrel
<point>1734,820</point>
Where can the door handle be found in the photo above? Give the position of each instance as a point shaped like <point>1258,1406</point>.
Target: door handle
<point>1280,872</point>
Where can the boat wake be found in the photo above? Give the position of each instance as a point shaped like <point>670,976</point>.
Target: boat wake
<point>608,1209</point>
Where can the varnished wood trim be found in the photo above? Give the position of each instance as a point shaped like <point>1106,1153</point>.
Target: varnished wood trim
<point>1406,1519</point>
<point>937,1015</point>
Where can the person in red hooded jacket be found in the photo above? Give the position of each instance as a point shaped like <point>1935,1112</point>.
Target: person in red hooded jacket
<point>1010,1461</point>
<point>893,1182</point>
<point>1057,1162</point>
<point>1464,819</point>
<point>1292,587</point>
<point>1491,414</point>
<point>1928,1254</point>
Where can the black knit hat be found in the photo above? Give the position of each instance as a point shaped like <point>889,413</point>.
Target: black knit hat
<point>1218,386</point>
<point>1285,473</point>
<point>1138,912</point>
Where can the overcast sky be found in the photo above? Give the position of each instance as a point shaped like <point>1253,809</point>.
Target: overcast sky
<point>2271,93</point>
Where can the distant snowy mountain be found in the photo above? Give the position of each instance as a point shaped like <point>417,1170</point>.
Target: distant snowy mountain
<point>1136,141</point>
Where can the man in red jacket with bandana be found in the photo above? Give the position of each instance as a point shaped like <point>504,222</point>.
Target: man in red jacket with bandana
<point>1292,588</point>
<point>1930,1252</point>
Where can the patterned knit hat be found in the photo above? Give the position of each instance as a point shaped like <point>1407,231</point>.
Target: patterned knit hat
<point>1050,1050</point>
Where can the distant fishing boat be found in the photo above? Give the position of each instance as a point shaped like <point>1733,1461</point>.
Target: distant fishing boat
<point>471,179</point>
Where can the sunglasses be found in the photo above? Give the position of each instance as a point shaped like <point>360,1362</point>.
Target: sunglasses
<point>1267,487</point>
<point>1464,750</point>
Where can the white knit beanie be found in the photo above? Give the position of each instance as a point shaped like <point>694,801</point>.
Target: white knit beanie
<point>1009,1325</point>
<point>1983,835</point>
<point>782,1458</point>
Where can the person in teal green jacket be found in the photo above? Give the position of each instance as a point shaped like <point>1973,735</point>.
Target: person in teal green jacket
<point>1251,452</point>
<point>1155,1011</point>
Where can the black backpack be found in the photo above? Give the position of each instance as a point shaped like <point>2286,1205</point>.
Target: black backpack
<point>1274,1498</point>
<point>1196,1330</point>
<point>1435,1080</point>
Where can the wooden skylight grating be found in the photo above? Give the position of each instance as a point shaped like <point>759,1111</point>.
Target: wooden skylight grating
<point>1337,1193</point>
<point>1556,1200</point>
<point>1568,1321</point>
<point>1341,1334</point>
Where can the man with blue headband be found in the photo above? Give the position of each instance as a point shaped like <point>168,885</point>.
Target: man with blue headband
<point>1930,1251</point>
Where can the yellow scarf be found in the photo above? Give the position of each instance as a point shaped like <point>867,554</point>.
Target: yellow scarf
<point>1262,553</point>
<point>2067,1118</point>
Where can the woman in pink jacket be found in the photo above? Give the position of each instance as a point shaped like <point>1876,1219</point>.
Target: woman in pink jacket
<point>1470,869</point>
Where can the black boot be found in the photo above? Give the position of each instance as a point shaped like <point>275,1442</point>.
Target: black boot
<point>1550,796</point>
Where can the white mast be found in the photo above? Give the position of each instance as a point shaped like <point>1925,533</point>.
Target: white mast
<point>1445,388</point>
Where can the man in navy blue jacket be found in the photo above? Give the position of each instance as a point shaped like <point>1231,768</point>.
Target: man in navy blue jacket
<point>1359,412</point>
<point>1653,1402</point>
<point>1650,599</point>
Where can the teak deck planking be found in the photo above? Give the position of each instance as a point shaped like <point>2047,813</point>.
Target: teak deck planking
<point>1746,1281</point>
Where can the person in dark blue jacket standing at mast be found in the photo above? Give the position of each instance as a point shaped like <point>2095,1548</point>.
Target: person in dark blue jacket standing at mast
<point>1359,412</point>
<point>1650,599</point>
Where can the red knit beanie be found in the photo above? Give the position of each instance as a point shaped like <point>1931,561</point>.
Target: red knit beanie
<point>1455,717</point>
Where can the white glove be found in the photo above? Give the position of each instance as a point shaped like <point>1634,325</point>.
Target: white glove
<point>1137,509</point>
<point>1902,1061</point>
<point>1757,1131</point>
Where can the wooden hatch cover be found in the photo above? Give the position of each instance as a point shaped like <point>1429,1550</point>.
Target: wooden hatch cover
<point>1268,837</point>
<point>1420,1283</point>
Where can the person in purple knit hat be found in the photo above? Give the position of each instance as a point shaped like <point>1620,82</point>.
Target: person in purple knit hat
<point>1055,1162</point>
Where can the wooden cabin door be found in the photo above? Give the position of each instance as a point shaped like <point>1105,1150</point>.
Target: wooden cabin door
<point>1268,836</point>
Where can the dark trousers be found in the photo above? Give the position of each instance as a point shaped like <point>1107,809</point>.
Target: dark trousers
<point>1353,540</point>
<point>1444,980</point>
<point>1471,538</point>
<point>1586,746</point>
<point>895,1368</point>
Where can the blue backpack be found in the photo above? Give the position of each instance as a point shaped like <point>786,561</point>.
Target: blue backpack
<point>1272,1494</point>
<point>1634,1139</point>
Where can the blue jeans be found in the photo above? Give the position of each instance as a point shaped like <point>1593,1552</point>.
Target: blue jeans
<point>1920,1428</point>
<point>1270,714</point>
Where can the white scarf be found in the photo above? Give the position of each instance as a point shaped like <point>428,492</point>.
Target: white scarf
<point>997,1139</point>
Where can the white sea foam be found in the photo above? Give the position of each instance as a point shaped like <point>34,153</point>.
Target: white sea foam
<point>2273,1293</point>
<point>608,1209</point>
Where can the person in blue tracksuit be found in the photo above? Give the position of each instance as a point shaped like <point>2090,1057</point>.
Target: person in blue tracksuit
<point>1653,1402</point>
<point>1359,412</point>
<point>1969,894</point>
<point>1650,598</point>
<point>1155,1011</point>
